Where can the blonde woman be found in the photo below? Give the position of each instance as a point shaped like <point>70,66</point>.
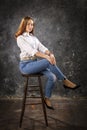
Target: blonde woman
<point>36,58</point>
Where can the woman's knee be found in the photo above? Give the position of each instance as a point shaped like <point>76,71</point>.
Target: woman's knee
<point>53,77</point>
<point>46,61</point>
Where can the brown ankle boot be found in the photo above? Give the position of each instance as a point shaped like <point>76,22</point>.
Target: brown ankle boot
<point>48,103</point>
<point>68,83</point>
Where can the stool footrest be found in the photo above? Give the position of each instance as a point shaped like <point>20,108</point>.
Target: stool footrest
<point>33,90</point>
<point>33,85</point>
<point>33,103</point>
<point>33,97</point>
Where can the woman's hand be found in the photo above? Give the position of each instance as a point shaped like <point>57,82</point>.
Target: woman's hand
<point>53,59</point>
<point>50,57</point>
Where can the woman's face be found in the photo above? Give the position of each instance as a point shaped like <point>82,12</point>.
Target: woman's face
<point>29,26</point>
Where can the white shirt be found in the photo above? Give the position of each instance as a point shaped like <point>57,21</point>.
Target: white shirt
<point>29,45</point>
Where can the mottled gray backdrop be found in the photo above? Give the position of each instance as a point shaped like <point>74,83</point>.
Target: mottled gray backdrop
<point>60,25</point>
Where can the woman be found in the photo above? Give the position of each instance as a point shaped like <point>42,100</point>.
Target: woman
<point>31,50</point>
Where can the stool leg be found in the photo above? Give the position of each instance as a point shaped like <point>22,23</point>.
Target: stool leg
<point>42,98</point>
<point>23,103</point>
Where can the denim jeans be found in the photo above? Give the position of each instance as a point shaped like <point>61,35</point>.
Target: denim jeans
<point>52,72</point>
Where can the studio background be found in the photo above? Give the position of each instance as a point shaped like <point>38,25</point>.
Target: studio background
<point>61,26</point>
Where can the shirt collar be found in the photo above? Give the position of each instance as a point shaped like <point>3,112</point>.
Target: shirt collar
<point>27,34</point>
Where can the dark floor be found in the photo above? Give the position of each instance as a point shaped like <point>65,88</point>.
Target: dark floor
<point>69,114</point>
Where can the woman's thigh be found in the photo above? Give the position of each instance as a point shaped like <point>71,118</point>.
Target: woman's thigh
<point>34,66</point>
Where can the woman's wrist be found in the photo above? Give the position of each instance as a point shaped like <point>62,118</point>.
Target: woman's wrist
<point>48,52</point>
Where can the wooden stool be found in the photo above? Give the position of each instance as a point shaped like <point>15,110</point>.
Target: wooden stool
<point>27,85</point>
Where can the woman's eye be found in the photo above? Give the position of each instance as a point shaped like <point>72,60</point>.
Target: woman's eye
<point>30,24</point>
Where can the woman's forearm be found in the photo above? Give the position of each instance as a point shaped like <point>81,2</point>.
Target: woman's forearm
<point>50,58</point>
<point>47,52</point>
<point>42,55</point>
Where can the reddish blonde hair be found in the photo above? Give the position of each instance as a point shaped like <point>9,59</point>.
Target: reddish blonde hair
<point>22,26</point>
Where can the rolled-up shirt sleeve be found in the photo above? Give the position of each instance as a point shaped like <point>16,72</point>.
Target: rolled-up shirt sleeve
<point>25,47</point>
<point>41,47</point>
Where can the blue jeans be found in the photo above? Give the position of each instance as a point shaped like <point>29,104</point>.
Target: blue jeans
<point>52,72</point>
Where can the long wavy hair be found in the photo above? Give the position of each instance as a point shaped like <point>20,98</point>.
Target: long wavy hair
<point>22,26</point>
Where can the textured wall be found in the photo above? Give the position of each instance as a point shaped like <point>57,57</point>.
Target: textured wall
<point>60,25</point>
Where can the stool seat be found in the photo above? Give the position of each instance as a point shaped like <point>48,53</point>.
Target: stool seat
<point>26,90</point>
<point>32,75</point>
